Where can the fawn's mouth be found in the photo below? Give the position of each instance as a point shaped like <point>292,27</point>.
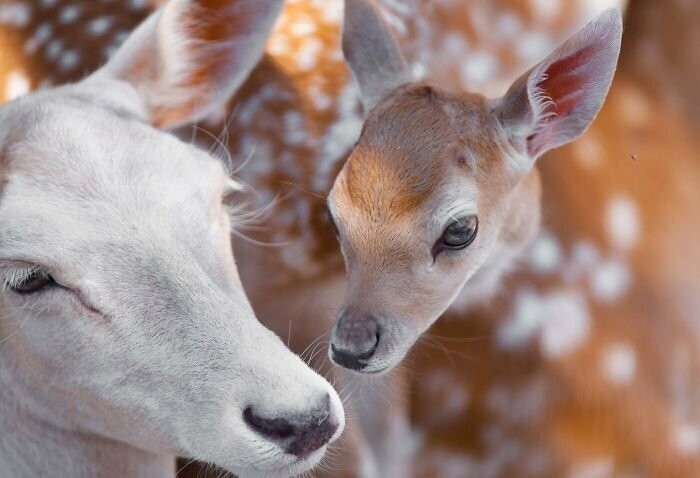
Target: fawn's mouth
<point>376,372</point>
<point>369,371</point>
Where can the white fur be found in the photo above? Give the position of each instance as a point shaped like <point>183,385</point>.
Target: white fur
<point>149,347</point>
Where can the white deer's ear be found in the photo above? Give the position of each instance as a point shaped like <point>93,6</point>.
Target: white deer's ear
<point>557,100</point>
<point>371,52</point>
<point>191,55</point>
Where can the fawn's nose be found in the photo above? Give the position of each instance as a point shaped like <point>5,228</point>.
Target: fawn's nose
<point>300,435</point>
<point>354,341</point>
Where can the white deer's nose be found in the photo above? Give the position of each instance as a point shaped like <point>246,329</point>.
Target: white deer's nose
<point>299,435</point>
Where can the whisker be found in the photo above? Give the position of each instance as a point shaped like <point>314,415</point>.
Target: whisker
<point>258,243</point>
<point>464,340</point>
<point>245,161</point>
<point>305,190</point>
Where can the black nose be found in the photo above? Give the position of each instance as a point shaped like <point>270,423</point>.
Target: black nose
<point>355,339</point>
<point>300,435</point>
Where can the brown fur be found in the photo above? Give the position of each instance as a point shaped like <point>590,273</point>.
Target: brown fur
<point>408,140</point>
<point>391,172</point>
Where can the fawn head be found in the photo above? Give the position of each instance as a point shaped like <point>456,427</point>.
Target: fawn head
<point>122,311</point>
<point>439,194</point>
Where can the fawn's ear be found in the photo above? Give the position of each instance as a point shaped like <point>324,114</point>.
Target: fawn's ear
<point>558,99</point>
<point>371,52</point>
<point>191,55</point>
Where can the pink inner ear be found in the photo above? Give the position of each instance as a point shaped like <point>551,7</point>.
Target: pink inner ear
<point>564,84</point>
<point>564,80</point>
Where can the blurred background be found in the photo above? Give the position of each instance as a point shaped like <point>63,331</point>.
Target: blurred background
<point>588,363</point>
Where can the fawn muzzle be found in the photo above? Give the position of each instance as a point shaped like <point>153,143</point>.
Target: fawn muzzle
<point>355,339</point>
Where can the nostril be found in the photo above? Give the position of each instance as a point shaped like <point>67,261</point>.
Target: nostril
<point>370,348</point>
<point>299,436</point>
<point>275,429</point>
<point>355,340</point>
<point>355,358</point>
<point>318,431</point>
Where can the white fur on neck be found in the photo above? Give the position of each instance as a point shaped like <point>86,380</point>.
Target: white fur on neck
<point>32,446</point>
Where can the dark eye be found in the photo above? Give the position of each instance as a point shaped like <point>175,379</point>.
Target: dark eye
<point>33,282</point>
<point>458,234</point>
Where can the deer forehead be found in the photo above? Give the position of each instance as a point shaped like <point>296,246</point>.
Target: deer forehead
<point>422,152</point>
<point>64,138</point>
<point>74,166</point>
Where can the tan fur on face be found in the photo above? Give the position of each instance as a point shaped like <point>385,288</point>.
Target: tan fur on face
<point>396,171</point>
<point>406,142</point>
<point>425,158</point>
<point>392,170</point>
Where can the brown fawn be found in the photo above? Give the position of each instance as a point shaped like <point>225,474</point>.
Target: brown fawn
<point>618,396</point>
<point>440,196</point>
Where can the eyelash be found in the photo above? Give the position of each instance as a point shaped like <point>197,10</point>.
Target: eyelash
<point>16,277</point>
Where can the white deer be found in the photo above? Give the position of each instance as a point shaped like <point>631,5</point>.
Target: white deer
<point>125,336</point>
<point>440,194</point>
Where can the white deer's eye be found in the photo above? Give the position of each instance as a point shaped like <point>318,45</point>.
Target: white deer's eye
<point>28,281</point>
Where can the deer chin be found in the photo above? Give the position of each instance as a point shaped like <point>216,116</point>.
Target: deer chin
<point>395,340</point>
<point>288,466</point>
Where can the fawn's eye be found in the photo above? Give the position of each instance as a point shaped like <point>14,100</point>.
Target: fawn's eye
<point>458,234</point>
<point>28,281</point>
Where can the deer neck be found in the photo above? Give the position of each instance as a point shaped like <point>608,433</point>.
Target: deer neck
<point>32,444</point>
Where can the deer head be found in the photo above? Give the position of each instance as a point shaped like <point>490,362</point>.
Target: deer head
<point>123,315</point>
<point>440,193</point>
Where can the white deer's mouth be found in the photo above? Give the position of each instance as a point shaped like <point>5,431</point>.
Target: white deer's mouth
<point>296,467</point>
